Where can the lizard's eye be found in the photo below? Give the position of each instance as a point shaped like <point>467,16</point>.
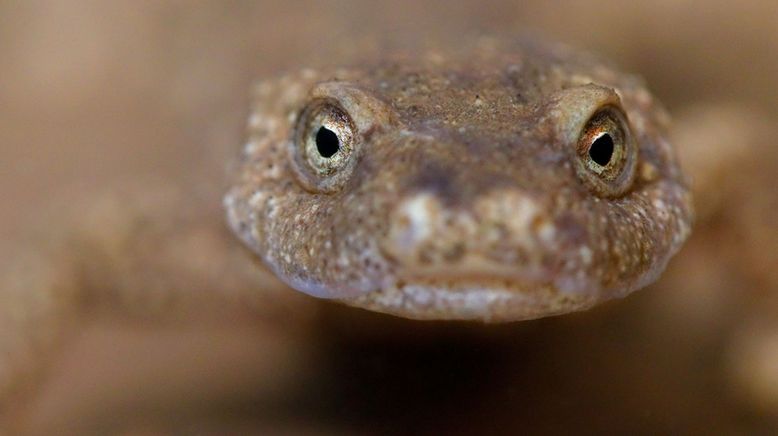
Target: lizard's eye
<point>325,139</point>
<point>607,153</point>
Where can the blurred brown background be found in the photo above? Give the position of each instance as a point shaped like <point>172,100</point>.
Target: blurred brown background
<point>94,92</point>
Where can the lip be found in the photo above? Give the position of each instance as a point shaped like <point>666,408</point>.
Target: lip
<point>490,300</point>
<point>470,274</point>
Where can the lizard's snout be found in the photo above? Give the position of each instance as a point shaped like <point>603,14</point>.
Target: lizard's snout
<point>503,233</point>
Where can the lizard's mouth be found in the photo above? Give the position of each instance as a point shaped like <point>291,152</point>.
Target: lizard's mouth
<point>500,258</point>
<point>471,297</point>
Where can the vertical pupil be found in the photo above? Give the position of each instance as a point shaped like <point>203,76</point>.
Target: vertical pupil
<point>327,142</point>
<point>601,150</point>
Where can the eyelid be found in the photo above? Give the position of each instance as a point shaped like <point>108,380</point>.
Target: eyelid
<point>574,107</point>
<point>366,109</point>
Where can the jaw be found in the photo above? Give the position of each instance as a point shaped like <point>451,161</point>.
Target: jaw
<point>488,300</point>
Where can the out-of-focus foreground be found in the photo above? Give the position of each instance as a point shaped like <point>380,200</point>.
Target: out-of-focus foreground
<point>94,93</point>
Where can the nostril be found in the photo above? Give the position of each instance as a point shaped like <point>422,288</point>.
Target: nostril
<point>514,225</point>
<point>425,234</point>
<point>412,222</point>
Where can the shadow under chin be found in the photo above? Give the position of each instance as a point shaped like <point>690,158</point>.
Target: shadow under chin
<point>604,370</point>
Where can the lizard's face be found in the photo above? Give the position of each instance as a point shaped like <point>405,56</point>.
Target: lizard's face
<point>506,182</point>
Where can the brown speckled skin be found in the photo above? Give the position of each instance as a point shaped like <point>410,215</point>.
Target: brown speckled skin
<point>462,199</point>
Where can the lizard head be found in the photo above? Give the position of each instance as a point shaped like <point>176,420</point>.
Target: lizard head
<point>501,181</point>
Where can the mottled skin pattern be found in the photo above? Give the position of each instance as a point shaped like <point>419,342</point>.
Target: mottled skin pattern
<point>464,193</point>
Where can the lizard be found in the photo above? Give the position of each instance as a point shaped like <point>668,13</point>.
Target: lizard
<point>503,180</point>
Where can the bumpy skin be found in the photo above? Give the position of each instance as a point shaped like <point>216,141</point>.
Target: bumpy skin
<point>463,197</point>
